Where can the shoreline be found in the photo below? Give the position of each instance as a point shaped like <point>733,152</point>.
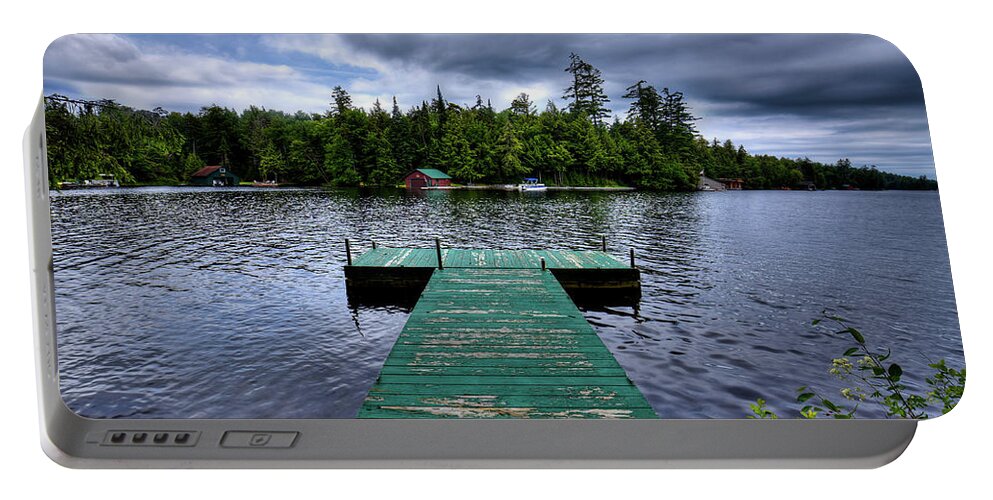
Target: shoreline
<point>514,187</point>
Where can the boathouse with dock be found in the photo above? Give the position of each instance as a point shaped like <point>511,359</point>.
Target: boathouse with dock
<point>426,177</point>
<point>730,184</point>
<point>496,334</point>
<point>215,175</point>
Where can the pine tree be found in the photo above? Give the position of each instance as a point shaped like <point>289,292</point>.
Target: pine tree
<point>340,100</point>
<point>647,105</point>
<point>677,127</point>
<point>586,92</point>
<point>395,114</point>
<point>440,110</point>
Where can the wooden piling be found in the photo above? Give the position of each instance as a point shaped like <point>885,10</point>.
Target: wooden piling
<point>373,245</point>
<point>632,257</point>
<point>348,252</point>
<point>437,247</point>
<point>542,264</point>
<point>603,241</point>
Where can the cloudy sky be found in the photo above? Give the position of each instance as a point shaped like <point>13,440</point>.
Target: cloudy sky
<point>822,96</point>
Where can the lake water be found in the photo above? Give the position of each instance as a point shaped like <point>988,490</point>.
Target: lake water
<point>230,303</point>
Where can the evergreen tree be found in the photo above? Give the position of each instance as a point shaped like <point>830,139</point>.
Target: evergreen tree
<point>440,109</point>
<point>339,162</point>
<point>509,152</point>
<point>381,165</point>
<point>678,128</point>
<point>646,107</point>
<point>340,100</point>
<point>586,92</point>
<point>522,105</point>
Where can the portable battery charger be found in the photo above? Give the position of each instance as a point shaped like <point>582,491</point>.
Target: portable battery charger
<point>486,251</point>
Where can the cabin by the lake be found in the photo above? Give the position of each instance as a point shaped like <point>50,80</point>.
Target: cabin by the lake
<point>426,177</point>
<point>215,175</point>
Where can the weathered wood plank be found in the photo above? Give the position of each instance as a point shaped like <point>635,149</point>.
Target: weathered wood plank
<point>502,401</point>
<point>577,361</point>
<point>524,412</point>
<point>534,390</point>
<point>520,351</point>
<point>501,371</point>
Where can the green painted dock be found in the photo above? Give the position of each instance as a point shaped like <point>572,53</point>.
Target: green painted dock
<point>583,274</point>
<point>476,258</point>
<point>495,336</point>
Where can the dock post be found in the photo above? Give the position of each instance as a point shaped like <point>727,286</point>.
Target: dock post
<point>603,241</point>
<point>632,257</point>
<point>437,247</point>
<point>373,245</point>
<point>542,264</point>
<point>348,252</point>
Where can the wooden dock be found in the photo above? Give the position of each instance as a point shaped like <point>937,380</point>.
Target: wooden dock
<point>493,335</point>
<point>583,274</point>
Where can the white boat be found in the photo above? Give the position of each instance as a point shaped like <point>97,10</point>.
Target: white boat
<point>532,184</point>
<point>102,181</point>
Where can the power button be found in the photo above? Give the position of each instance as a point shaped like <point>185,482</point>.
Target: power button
<point>259,439</point>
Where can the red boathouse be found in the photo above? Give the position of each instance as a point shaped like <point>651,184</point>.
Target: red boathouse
<point>426,177</point>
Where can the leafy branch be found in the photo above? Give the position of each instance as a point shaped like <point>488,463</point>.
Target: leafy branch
<point>875,378</point>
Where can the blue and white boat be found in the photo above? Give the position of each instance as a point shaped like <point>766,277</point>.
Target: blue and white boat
<point>532,184</point>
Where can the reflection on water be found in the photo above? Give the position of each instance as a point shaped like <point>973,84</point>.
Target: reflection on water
<point>230,303</point>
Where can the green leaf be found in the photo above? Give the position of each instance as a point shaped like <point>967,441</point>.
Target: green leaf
<point>857,335</point>
<point>831,406</point>
<point>816,322</point>
<point>852,351</point>
<point>895,371</point>
<point>804,397</point>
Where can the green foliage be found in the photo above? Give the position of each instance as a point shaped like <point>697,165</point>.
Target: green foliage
<point>760,411</point>
<point>657,147</point>
<point>191,164</point>
<point>875,379</point>
<point>947,385</point>
<point>271,162</point>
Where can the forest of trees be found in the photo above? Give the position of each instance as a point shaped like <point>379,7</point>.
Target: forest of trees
<point>656,145</point>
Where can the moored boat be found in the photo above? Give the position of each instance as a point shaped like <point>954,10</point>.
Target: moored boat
<point>102,181</point>
<point>532,184</point>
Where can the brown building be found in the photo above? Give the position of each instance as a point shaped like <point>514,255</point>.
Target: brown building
<point>426,177</point>
<point>732,184</point>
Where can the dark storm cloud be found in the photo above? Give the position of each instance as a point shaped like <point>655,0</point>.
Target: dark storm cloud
<point>789,73</point>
